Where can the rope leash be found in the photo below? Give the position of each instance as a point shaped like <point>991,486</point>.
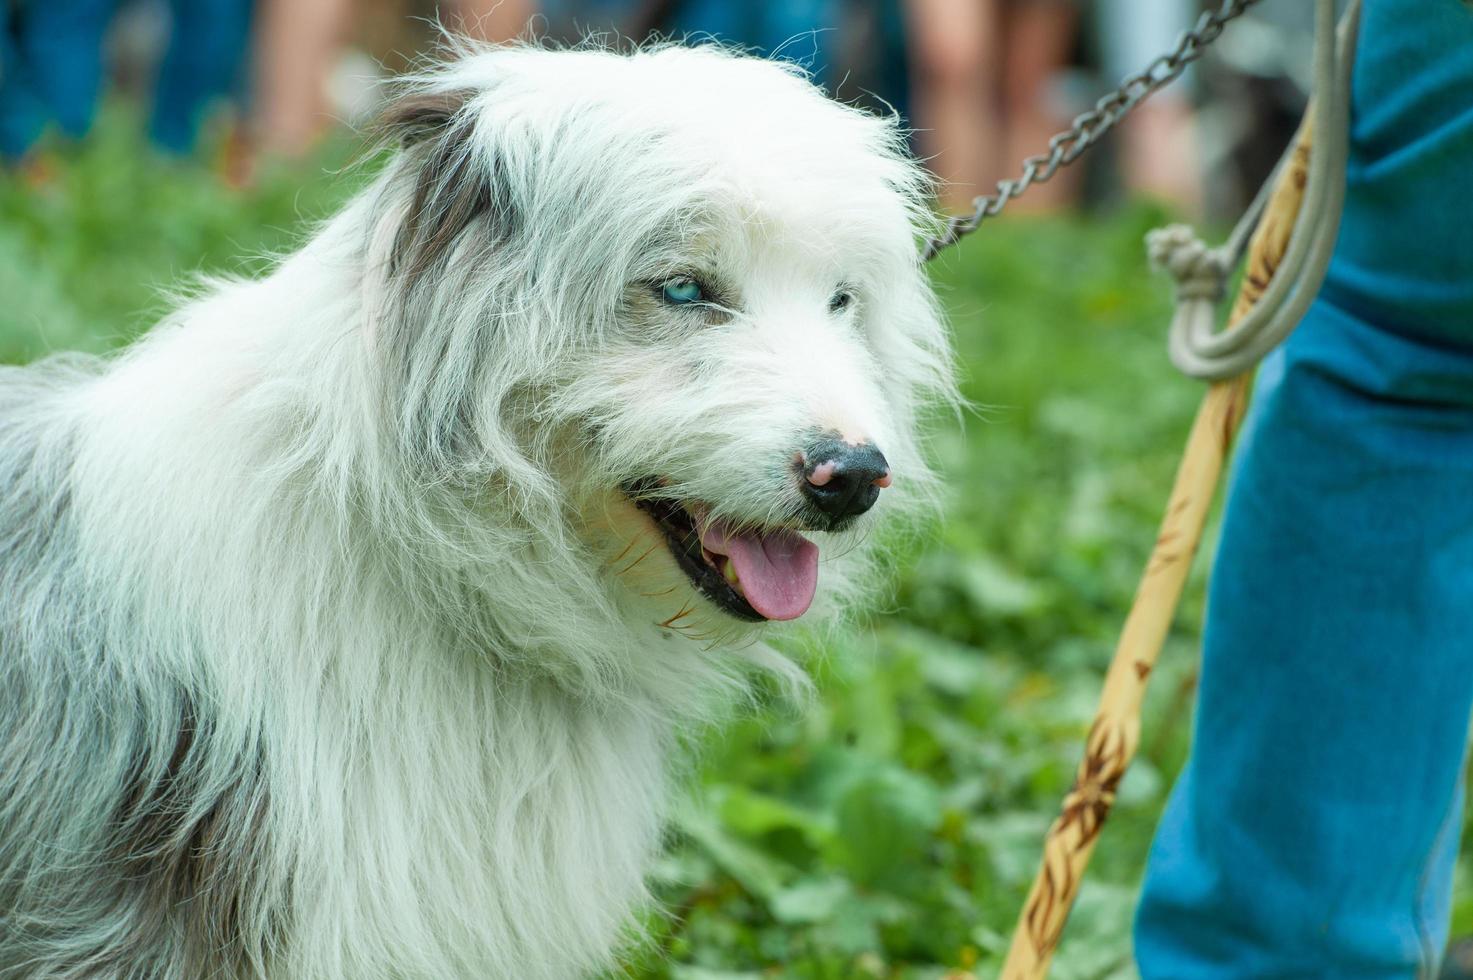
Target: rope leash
<point>1289,232</point>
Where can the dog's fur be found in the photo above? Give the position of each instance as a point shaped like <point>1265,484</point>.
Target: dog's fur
<point>330,645</point>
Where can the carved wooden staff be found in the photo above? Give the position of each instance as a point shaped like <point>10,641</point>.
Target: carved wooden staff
<point>1115,733</point>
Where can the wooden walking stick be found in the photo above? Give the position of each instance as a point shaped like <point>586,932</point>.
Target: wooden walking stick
<point>1115,733</point>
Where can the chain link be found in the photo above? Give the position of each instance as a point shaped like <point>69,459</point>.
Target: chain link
<point>1069,145</point>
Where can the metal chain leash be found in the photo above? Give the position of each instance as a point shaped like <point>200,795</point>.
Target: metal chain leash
<point>1067,146</point>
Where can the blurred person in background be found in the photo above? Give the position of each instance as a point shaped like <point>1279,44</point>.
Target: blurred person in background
<point>302,44</point>
<point>985,91</point>
<point>853,47</point>
<point>982,80</point>
<point>1157,149</point>
<point>53,64</point>
<point>992,88</point>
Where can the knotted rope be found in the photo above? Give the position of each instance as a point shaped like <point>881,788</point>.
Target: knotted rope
<point>1195,344</point>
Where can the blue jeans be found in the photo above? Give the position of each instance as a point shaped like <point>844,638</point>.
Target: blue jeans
<point>803,31</point>
<point>208,44</point>
<point>1314,829</point>
<point>51,67</point>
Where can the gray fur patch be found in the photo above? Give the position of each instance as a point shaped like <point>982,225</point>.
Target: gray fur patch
<point>110,823</point>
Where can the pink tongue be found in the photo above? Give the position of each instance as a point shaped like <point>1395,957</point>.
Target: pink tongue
<point>778,569</point>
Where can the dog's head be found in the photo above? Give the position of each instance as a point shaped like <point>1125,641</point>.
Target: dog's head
<point>670,304</point>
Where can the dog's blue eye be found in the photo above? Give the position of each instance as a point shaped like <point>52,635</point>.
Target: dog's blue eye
<point>679,292</point>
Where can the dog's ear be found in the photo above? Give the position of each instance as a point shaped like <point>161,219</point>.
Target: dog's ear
<point>450,178</point>
<point>447,210</point>
<point>416,115</point>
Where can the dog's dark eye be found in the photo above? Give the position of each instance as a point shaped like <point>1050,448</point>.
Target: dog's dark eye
<point>841,301</point>
<point>682,291</point>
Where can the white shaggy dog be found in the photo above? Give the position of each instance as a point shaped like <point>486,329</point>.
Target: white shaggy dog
<point>348,621</point>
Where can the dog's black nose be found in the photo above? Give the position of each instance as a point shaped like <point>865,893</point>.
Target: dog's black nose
<point>844,480</point>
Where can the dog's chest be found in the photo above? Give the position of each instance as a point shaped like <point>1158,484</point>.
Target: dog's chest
<point>496,834</point>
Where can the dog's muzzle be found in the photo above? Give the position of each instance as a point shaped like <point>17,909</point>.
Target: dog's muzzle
<point>758,571</point>
<point>750,571</point>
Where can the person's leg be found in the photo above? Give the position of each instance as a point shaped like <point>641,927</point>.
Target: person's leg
<point>494,20</point>
<point>1037,41</point>
<point>1159,140</point>
<point>22,113</point>
<point>297,44</point>
<point>804,31</point>
<point>1314,829</point>
<point>208,40</point>
<point>954,58</point>
<point>55,48</point>
<point>801,31</point>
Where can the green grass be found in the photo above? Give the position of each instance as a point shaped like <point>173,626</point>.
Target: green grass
<point>891,827</point>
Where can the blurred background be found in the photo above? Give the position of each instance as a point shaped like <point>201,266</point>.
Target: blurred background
<point>890,828</point>
<point>984,82</point>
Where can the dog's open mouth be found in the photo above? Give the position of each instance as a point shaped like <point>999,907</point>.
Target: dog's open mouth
<point>751,574</point>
